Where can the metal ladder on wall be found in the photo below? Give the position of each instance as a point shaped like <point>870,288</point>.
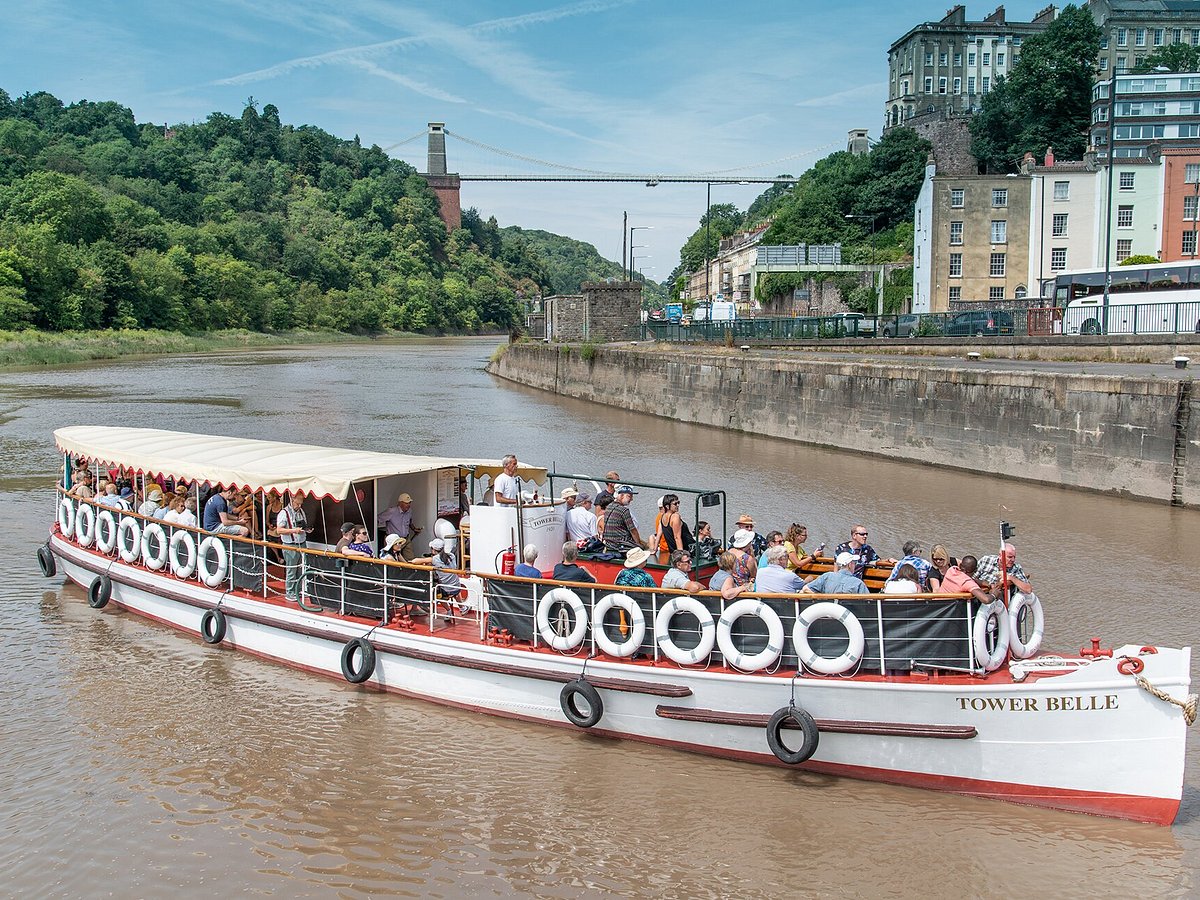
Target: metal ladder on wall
<point>1183,414</point>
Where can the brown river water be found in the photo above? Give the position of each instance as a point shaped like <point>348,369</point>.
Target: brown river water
<point>137,761</point>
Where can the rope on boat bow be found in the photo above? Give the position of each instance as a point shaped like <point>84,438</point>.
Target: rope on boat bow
<point>1132,665</point>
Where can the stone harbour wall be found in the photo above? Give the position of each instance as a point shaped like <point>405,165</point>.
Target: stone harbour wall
<point>1095,432</point>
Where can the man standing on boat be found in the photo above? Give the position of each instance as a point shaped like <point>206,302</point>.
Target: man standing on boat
<point>398,520</point>
<point>581,521</point>
<point>507,485</point>
<point>217,517</point>
<point>610,488</point>
<point>292,527</point>
<point>988,571</point>
<point>620,529</point>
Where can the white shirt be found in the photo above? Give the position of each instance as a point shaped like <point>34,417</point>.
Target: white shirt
<point>581,523</point>
<point>171,516</point>
<point>506,486</point>
<point>187,517</point>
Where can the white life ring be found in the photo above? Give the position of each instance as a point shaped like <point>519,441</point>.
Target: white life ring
<point>106,531</point>
<point>823,664</point>
<point>129,539</point>
<point>154,561</point>
<point>66,517</point>
<point>574,638</point>
<point>216,576</point>
<point>1018,603</point>
<point>182,568</point>
<point>662,632</point>
<point>991,661</point>
<point>637,625</point>
<point>85,525</point>
<point>749,606</point>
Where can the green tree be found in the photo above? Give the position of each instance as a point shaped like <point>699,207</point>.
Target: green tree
<point>1175,57</point>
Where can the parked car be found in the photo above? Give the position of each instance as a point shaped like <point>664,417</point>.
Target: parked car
<point>980,322</point>
<point>853,324</point>
<point>657,315</point>
<point>901,326</point>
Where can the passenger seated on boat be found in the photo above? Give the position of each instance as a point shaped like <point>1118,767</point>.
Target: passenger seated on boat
<point>360,543</point>
<point>634,575</point>
<point>793,543</point>
<point>526,568</point>
<point>759,544</point>
<point>441,557</point>
<point>912,557</point>
<point>706,546</point>
<point>389,550</point>
<point>905,580</point>
<point>217,516</point>
<point>863,553</point>
<point>174,508</point>
<point>569,569</point>
<point>722,579</point>
<point>745,567</point>
<point>680,574</point>
<point>989,570</point>
<point>153,503</point>
<point>841,580</point>
<point>941,561</point>
<point>773,538</point>
<point>81,485</point>
<point>775,577</point>
<point>188,516</point>
<point>960,579</point>
<point>620,530</point>
<point>581,521</point>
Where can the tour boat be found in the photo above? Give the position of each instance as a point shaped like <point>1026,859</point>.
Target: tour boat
<point>935,691</point>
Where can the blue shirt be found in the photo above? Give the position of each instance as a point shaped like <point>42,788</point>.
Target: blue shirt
<point>527,571</point>
<point>866,555</point>
<point>777,580</point>
<point>921,565</point>
<point>634,578</point>
<point>837,582</point>
<point>212,511</point>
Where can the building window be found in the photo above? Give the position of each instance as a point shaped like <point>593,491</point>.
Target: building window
<point>1139,37</point>
<point>1122,37</point>
<point>1124,216</point>
<point>987,83</point>
<point>955,294</point>
<point>1126,181</point>
<point>928,84</point>
<point>970,84</point>
<point>1190,204</point>
<point>958,85</point>
<point>1058,259</point>
<point>999,231</point>
<point>957,195</point>
<point>1122,64</point>
<point>996,268</point>
<point>956,265</point>
<point>1124,249</point>
<point>957,59</point>
<point>999,59</point>
<point>987,59</point>
<point>1104,42</point>
<point>929,59</point>
<point>996,294</point>
<point>1188,246</point>
<point>971,58</point>
<point>1189,131</point>
<point>1104,64</point>
<point>1191,173</point>
<point>1062,190</point>
<point>941,85</point>
<point>904,88</point>
<point>944,59</point>
<point>956,232</point>
<point>1058,227</point>
<point>1196,37</point>
<point>999,196</point>
<point>1176,35</point>
<point>1158,37</point>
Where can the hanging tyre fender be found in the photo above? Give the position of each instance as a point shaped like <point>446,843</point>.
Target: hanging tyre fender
<point>99,592</point>
<point>129,539</point>
<point>216,575</point>
<point>637,625</point>
<point>66,517</point>
<point>106,531</point>
<point>546,631</point>
<point>807,728</point>
<point>185,567</point>
<point>46,561</point>
<point>359,648</point>
<point>749,606</point>
<point>85,525</point>
<point>154,559</point>
<point>1017,605</point>
<point>991,661</point>
<point>568,699</point>
<point>212,626</point>
<point>823,664</point>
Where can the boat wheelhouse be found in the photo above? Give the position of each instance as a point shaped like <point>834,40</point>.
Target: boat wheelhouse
<point>928,690</point>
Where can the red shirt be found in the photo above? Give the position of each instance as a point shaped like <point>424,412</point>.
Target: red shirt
<point>957,581</point>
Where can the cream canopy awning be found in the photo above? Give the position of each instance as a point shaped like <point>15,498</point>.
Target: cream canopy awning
<point>254,464</point>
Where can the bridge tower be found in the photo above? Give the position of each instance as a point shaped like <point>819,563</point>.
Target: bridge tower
<point>445,186</point>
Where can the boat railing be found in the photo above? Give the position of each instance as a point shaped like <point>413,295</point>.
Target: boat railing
<point>884,634</point>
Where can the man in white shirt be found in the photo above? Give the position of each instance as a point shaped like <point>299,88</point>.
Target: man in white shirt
<point>581,521</point>
<point>188,516</point>
<point>507,485</point>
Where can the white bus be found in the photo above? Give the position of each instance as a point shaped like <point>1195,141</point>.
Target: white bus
<point>1163,298</point>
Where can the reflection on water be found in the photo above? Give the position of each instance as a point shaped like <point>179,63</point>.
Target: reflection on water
<point>144,761</point>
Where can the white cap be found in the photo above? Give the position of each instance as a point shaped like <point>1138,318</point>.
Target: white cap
<point>844,558</point>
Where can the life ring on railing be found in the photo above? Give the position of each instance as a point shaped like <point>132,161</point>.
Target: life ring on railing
<point>99,592</point>
<point>154,559</point>
<point>826,665</point>
<point>106,531</point>
<point>213,625</point>
<point>637,625</point>
<point>574,638</point>
<point>46,561</point>
<point>662,630</point>
<point>66,517</point>
<point>129,539</point>
<point>806,726</point>
<point>992,660</point>
<point>184,568</point>
<point>361,648</point>
<point>212,577</point>
<point>85,525</point>
<point>568,699</point>
<point>749,606</point>
<point>1019,602</point>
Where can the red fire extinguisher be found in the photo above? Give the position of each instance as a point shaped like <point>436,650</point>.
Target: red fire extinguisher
<point>508,561</point>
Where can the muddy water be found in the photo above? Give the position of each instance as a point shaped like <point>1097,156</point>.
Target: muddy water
<point>136,761</point>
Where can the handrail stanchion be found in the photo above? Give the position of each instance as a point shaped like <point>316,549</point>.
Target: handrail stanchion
<point>533,616</point>
<point>882,652</point>
<point>232,564</point>
<point>654,622</point>
<point>386,599</point>
<point>970,640</point>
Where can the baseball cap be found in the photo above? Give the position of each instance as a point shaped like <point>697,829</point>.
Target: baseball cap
<point>437,544</point>
<point>625,489</point>
<point>844,558</point>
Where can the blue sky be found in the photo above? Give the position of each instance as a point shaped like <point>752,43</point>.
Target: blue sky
<point>628,86</point>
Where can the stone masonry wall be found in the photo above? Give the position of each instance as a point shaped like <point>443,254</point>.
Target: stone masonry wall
<point>1094,432</point>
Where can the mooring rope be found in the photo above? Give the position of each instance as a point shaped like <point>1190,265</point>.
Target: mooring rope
<point>1188,706</point>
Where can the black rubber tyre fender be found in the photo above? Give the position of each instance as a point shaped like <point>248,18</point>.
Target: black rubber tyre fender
<point>212,626</point>
<point>568,699</point>
<point>808,728</point>
<point>46,561</point>
<point>99,592</point>
<point>366,667</point>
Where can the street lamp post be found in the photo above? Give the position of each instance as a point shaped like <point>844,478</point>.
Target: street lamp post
<point>707,239</point>
<point>879,291</point>
<point>632,229</point>
<point>1108,236</point>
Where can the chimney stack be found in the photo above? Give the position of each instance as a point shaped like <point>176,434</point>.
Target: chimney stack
<point>1049,157</point>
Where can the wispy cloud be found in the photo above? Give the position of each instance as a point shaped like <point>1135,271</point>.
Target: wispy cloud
<point>412,84</point>
<point>863,91</point>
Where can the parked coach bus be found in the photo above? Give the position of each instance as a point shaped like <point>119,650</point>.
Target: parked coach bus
<point>1163,298</point>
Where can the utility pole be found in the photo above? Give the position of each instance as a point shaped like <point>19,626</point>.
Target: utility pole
<point>624,232</point>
